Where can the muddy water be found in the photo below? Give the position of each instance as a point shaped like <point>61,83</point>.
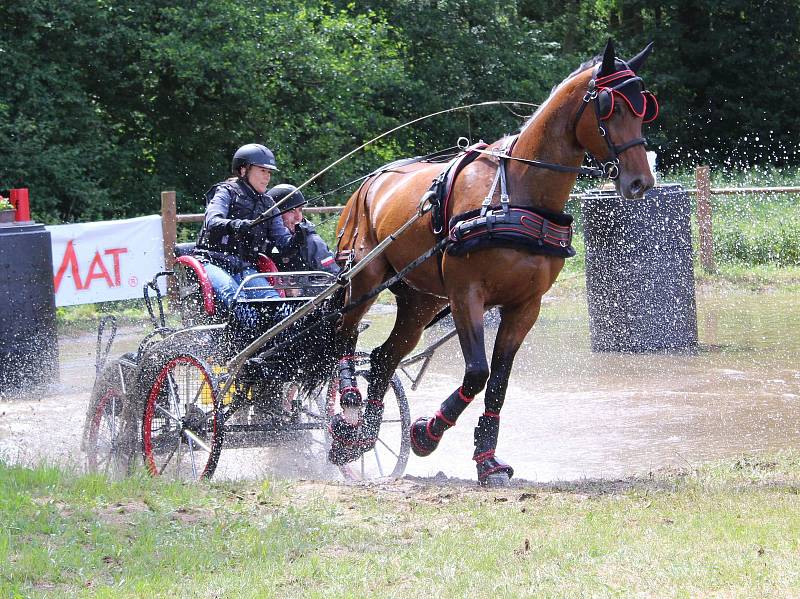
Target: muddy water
<point>46,425</point>
<point>569,413</point>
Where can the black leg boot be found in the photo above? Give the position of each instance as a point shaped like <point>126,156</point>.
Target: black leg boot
<point>427,432</point>
<point>491,470</point>
<point>345,441</point>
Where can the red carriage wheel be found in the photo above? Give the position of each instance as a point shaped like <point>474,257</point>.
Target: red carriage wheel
<point>104,432</point>
<point>181,426</point>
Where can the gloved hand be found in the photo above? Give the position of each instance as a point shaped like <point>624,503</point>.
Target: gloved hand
<point>240,227</point>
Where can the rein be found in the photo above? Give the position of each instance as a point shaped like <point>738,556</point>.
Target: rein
<point>269,212</point>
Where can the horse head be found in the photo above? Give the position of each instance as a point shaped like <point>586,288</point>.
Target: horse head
<point>609,121</point>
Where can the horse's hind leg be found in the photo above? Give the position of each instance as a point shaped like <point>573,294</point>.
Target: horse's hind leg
<point>414,311</point>
<point>514,326</point>
<point>468,316</point>
<point>344,427</point>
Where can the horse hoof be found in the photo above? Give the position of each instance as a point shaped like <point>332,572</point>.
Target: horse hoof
<point>422,442</point>
<point>345,446</point>
<point>498,479</point>
<point>493,472</point>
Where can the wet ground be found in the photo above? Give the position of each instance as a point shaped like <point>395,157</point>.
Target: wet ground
<point>569,413</point>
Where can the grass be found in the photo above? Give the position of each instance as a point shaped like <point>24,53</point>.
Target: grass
<point>727,529</point>
<point>83,317</point>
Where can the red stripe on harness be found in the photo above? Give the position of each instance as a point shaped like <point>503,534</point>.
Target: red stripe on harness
<point>601,81</point>
<point>492,415</point>
<point>463,397</point>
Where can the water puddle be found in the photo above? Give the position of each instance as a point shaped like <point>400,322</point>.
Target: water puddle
<point>569,413</point>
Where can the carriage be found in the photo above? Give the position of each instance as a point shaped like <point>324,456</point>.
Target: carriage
<point>176,406</point>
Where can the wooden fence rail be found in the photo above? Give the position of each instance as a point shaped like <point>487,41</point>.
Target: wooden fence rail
<point>702,191</point>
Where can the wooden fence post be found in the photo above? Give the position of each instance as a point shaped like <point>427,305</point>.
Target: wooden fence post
<point>702,175</point>
<point>168,226</point>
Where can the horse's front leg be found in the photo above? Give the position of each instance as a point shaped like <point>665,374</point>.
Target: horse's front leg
<point>468,316</point>
<point>514,326</point>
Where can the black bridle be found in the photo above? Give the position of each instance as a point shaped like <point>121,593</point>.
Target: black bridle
<point>610,167</point>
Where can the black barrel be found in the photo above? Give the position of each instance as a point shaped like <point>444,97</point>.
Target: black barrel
<point>639,271</point>
<point>28,337</point>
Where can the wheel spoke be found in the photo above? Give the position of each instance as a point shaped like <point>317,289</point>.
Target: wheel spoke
<point>191,453</point>
<point>193,438</point>
<point>179,459</point>
<point>199,391</point>
<point>389,449</point>
<point>169,457</point>
<point>173,394</point>
<point>378,460</point>
<point>112,421</point>
<point>175,418</point>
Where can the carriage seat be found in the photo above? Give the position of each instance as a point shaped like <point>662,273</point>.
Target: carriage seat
<point>196,298</point>
<point>184,249</point>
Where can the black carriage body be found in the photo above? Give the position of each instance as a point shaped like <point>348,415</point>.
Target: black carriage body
<point>305,352</point>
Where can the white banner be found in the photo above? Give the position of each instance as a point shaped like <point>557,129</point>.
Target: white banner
<point>105,261</point>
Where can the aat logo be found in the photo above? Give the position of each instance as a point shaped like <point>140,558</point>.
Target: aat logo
<point>104,266</point>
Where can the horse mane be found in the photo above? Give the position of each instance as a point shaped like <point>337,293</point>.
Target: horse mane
<point>585,65</point>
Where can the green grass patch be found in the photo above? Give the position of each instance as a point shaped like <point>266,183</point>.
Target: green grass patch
<point>727,529</point>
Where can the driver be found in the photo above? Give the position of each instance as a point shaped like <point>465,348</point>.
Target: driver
<point>229,239</point>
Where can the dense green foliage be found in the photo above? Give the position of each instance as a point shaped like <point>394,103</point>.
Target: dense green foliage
<point>105,103</point>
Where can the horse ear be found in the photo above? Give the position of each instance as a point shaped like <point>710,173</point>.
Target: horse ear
<point>635,63</point>
<point>608,65</point>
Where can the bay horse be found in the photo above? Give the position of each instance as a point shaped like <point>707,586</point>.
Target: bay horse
<point>602,102</point>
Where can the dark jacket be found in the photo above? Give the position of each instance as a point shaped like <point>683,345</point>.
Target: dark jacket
<point>312,252</point>
<point>232,200</point>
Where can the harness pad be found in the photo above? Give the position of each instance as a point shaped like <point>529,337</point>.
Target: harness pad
<point>534,230</point>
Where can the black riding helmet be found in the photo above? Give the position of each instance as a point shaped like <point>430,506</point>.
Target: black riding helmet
<point>253,154</point>
<point>279,192</point>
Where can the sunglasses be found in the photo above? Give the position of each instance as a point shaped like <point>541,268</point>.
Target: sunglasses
<point>631,90</point>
